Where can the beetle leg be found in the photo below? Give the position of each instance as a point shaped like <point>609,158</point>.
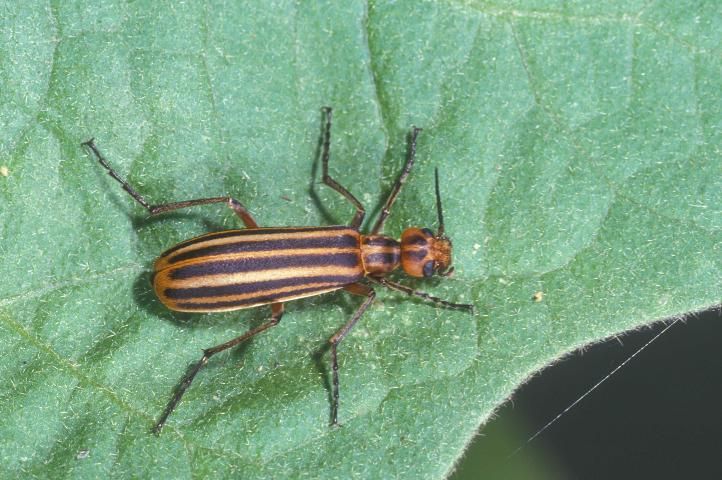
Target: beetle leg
<point>357,289</point>
<point>233,204</point>
<point>277,313</point>
<point>360,211</point>
<point>416,293</point>
<point>379,225</point>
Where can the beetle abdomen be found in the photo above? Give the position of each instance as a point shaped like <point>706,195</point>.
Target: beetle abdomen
<point>236,269</point>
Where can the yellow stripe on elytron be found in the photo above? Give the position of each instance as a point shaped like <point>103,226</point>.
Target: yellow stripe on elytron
<point>198,242</point>
<point>252,305</point>
<point>162,264</point>
<point>162,278</point>
<point>274,292</point>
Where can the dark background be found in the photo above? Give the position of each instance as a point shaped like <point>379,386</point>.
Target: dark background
<point>660,416</point>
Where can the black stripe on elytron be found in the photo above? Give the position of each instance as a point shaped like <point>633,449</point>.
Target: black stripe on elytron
<point>248,231</point>
<point>383,258</point>
<point>339,241</point>
<point>262,299</point>
<point>326,281</point>
<point>208,236</point>
<point>419,254</point>
<point>380,242</point>
<point>254,264</point>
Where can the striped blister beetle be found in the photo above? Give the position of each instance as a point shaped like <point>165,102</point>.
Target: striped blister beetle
<point>254,266</point>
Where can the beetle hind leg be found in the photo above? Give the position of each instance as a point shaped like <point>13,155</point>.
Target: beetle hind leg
<point>232,203</point>
<point>277,313</point>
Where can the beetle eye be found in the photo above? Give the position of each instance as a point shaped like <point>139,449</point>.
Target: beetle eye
<point>428,231</point>
<point>429,268</point>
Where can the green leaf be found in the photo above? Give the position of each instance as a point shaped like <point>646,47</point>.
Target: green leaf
<point>579,148</point>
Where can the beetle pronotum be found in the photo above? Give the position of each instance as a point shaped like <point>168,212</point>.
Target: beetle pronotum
<point>236,269</point>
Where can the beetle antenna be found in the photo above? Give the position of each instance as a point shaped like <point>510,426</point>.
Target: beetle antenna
<point>439,211</point>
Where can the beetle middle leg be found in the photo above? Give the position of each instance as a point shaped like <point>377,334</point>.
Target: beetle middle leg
<point>379,225</point>
<point>357,289</point>
<point>276,314</point>
<point>360,211</point>
<point>232,203</point>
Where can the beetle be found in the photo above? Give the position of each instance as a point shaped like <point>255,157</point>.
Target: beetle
<point>236,269</point>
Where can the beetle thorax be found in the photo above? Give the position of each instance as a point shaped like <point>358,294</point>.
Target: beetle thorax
<point>380,254</point>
